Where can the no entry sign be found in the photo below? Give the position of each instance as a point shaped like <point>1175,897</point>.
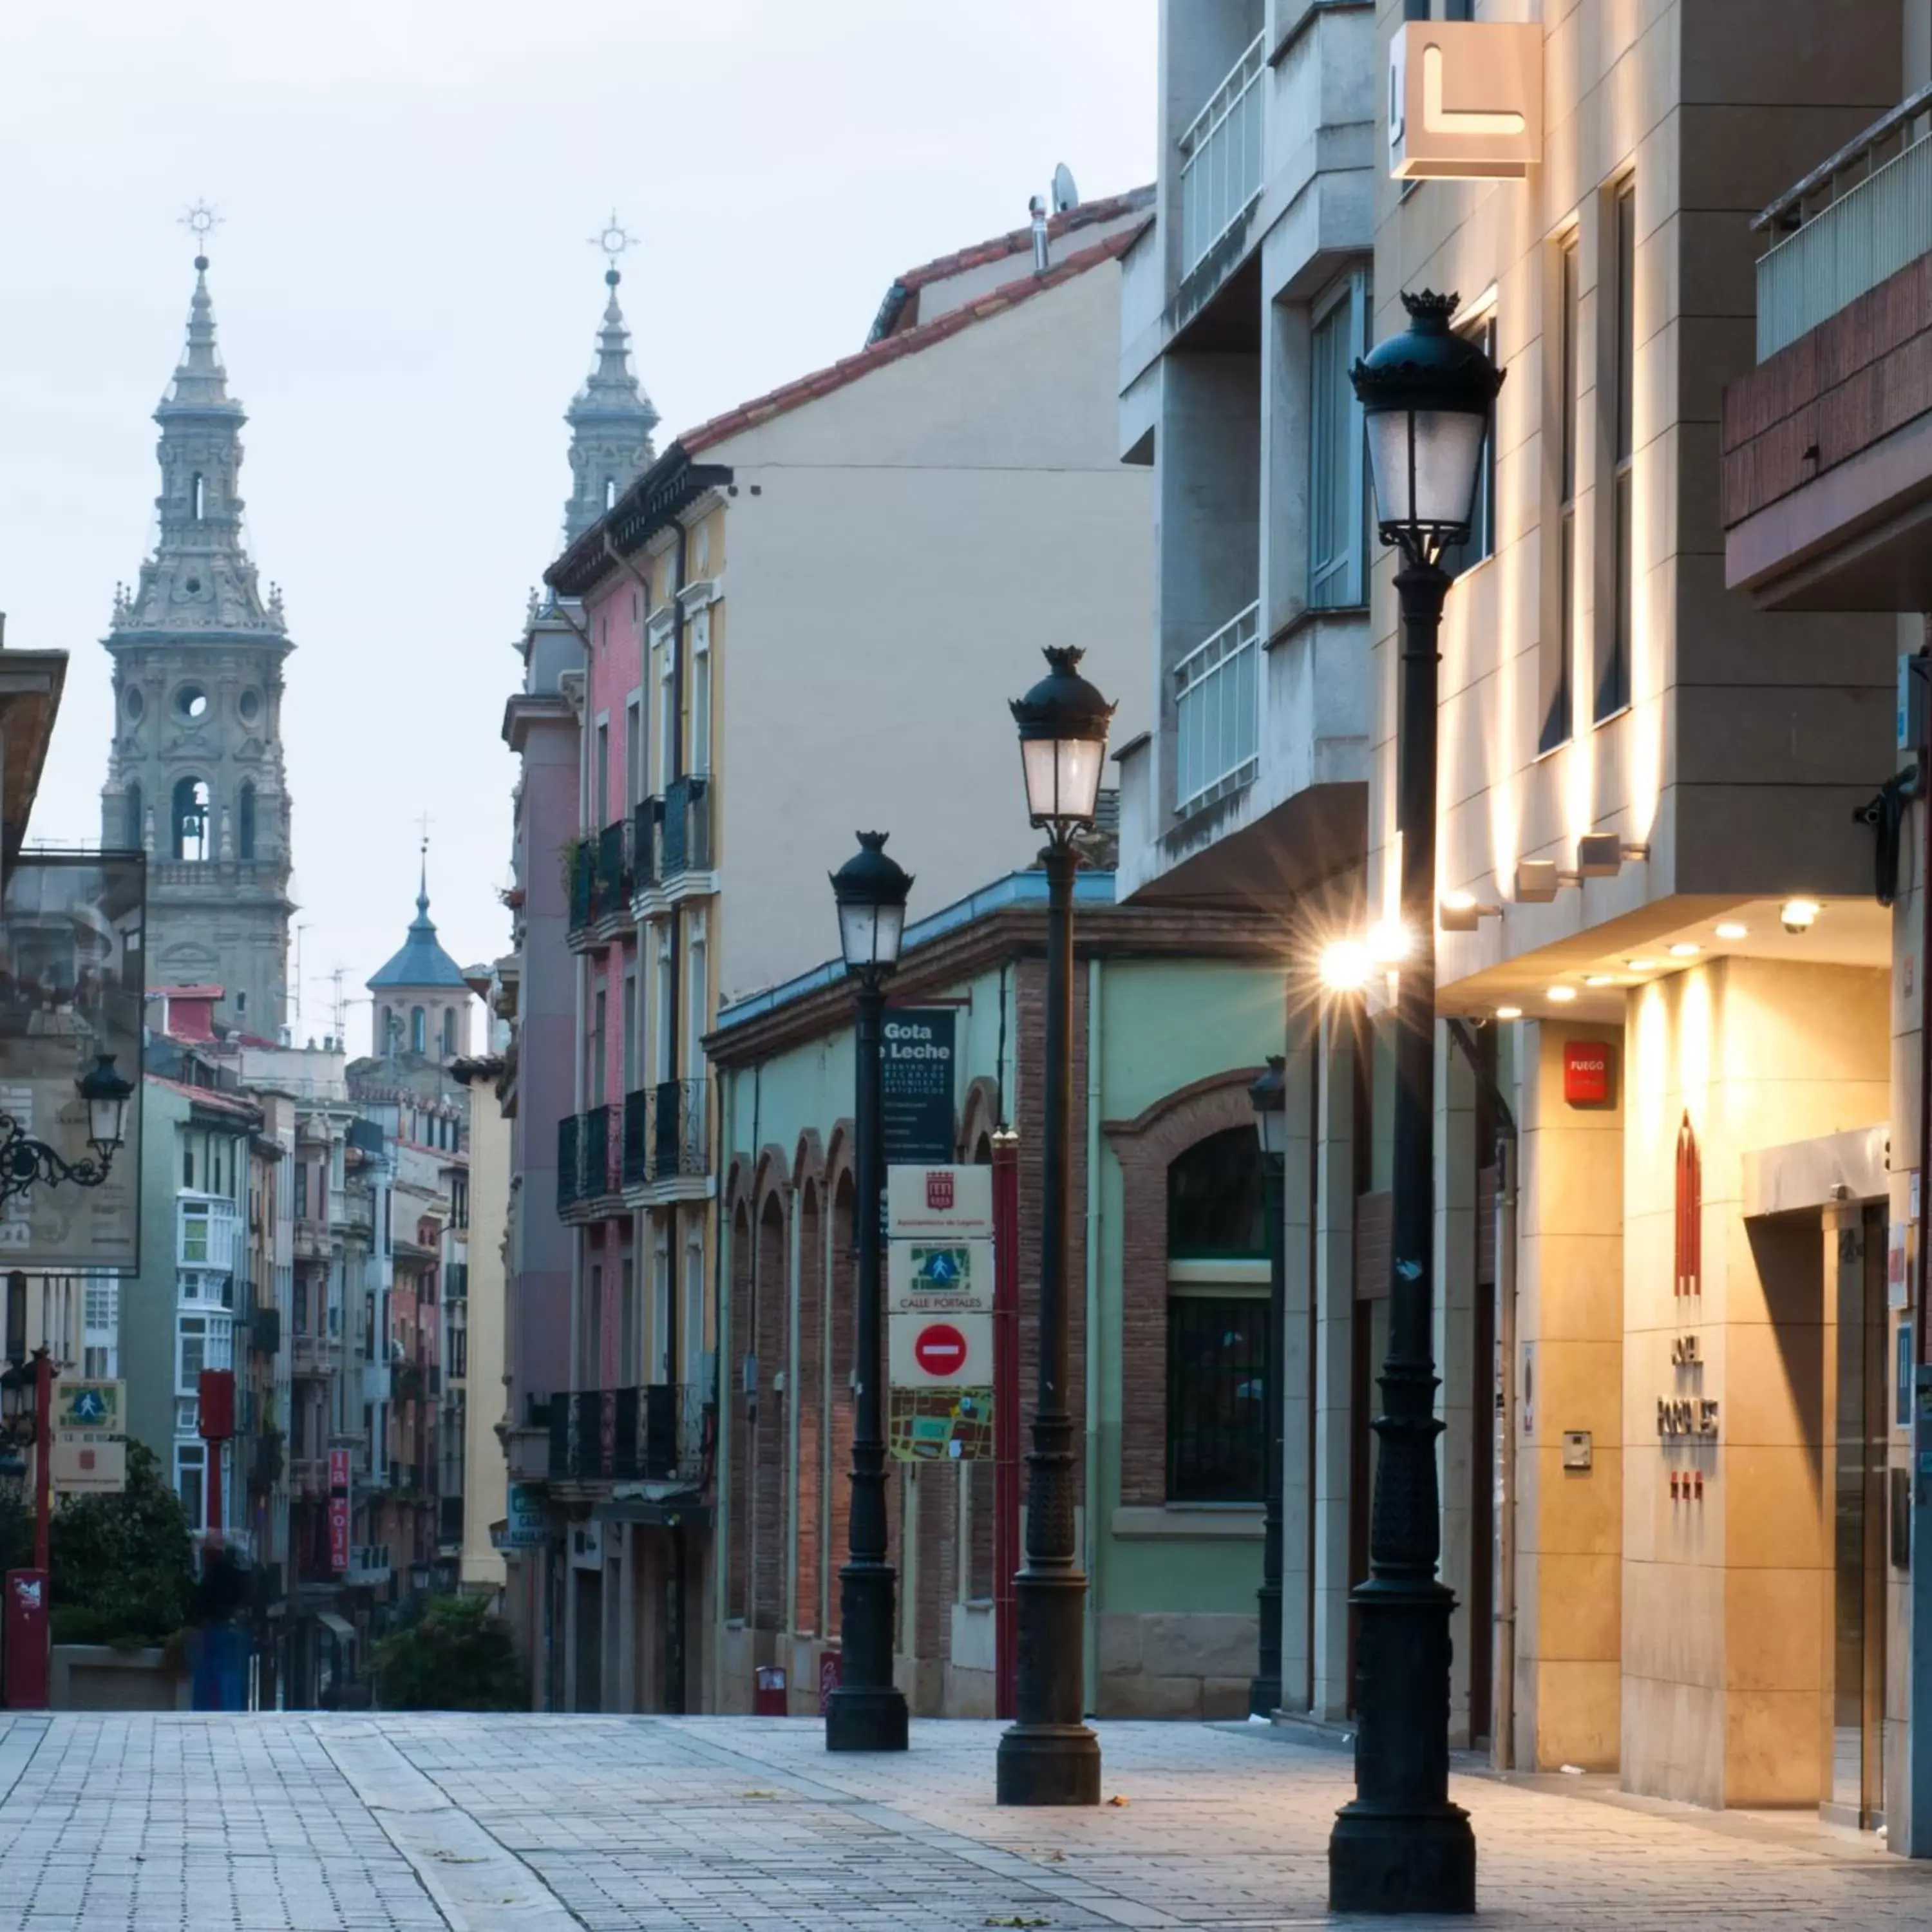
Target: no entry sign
<point>946,1350</point>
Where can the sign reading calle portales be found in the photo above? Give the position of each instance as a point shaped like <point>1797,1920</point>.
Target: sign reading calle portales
<point>1466,99</point>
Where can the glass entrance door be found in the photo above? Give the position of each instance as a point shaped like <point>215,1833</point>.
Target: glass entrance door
<point>1854,1744</point>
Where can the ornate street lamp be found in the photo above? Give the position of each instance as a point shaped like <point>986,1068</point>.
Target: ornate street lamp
<point>26,1162</point>
<point>1428,396</point>
<point>867,1710</point>
<point>1049,1756</point>
<point>1270,1096</point>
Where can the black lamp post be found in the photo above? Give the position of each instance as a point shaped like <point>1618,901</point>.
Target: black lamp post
<point>26,1162</point>
<point>1270,1096</point>
<point>1427,396</point>
<point>867,1712</point>
<point>1049,1756</point>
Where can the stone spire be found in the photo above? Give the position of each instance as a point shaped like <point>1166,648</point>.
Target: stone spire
<point>610,421</point>
<point>200,578</point>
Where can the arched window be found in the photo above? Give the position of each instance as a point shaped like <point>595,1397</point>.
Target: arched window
<point>200,497</point>
<point>246,814</point>
<point>609,493</point>
<point>190,841</point>
<point>132,826</point>
<point>449,1033</point>
<point>385,1031</point>
<point>1217,1320</point>
<point>418,1030</point>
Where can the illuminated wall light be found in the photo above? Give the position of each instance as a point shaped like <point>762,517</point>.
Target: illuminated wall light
<point>1798,915</point>
<point>1389,942</point>
<point>1346,966</point>
<point>1685,949</point>
<point>1463,912</point>
<point>1562,995</point>
<point>1731,928</point>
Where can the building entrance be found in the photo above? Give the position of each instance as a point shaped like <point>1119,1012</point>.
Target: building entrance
<point>1857,1391</point>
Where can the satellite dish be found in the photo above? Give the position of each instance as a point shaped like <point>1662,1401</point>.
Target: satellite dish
<point>1065,194</point>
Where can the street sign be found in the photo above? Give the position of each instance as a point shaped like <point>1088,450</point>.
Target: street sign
<point>939,1277</point>
<point>939,1425</point>
<point>96,1407</point>
<point>922,1201</point>
<point>88,1465</point>
<point>523,1527</point>
<point>955,1351</point>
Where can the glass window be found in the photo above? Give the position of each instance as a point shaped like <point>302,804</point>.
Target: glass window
<point>1482,539</point>
<point>1216,1412</point>
<point>194,1233</point>
<point>1613,679</point>
<point>191,1354</point>
<point>1558,654</point>
<point>418,1030</point>
<point>631,1031</point>
<point>701,692</point>
<point>1216,1207</point>
<point>1337,507</point>
<point>190,1467</point>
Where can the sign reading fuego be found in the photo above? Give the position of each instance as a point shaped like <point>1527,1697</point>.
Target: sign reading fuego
<point>1466,99</point>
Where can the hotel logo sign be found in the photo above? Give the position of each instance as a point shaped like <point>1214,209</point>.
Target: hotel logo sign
<point>1465,101</point>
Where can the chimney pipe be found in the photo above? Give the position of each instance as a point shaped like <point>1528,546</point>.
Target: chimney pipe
<point>1041,257</point>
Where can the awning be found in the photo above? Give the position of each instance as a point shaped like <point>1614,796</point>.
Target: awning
<point>340,1626</point>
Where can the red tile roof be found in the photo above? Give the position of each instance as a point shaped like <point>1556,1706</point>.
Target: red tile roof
<point>1019,241</point>
<point>909,341</point>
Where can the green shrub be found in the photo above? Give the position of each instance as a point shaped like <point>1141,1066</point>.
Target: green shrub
<point>454,1656</point>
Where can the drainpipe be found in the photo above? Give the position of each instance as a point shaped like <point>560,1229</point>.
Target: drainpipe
<point>1091,1643</point>
<point>1502,1723</point>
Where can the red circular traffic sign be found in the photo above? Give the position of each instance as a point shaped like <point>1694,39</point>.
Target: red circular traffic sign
<point>940,1349</point>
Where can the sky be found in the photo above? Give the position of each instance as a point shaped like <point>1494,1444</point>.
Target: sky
<point>406,297</point>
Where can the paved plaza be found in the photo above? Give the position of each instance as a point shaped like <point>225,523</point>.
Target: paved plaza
<point>324,1823</point>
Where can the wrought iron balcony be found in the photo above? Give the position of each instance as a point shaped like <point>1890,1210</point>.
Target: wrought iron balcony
<point>679,1140</point>
<point>684,828</point>
<point>658,1134</point>
<point>655,1433</point>
<point>588,1148</point>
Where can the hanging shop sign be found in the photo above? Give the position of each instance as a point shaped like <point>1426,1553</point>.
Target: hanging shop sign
<point>917,1050</point>
<point>338,1511</point>
<point>1466,99</point>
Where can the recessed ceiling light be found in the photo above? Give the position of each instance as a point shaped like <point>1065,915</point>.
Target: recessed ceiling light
<point>1731,928</point>
<point>1509,1013</point>
<point>1562,995</point>
<point>1685,949</point>
<point>1641,965</point>
<point>1600,980</point>
<point>1797,915</point>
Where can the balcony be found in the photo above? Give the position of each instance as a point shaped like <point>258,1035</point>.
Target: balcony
<point>600,883</point>
<point>311,1239</point>
<point>316,1355</point>
<point>678,825</point>
<point>310,1474</point>
<point>1853,222</point>
<point>679,1139</point>
<point>1217,706</point>
<point>1221,159</point>
<point>587,1151</point>
<point>1826,481</point>
<point>636,1163</point>
<point>405,1382</point>
<point>265,1460</point>
<point>456,1282</point>
<point>449,1519</point>
<point>265,1331</point>
<point>651,1434</point>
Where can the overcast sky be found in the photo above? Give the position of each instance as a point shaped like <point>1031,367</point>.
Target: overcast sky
<point>406,301</point>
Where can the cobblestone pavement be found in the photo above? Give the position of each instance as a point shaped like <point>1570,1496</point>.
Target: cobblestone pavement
<point>303,1823</point>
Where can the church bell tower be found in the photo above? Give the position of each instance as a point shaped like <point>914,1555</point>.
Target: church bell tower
<point>195,777</point>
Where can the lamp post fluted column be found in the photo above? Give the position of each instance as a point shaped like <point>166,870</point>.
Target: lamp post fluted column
<point>1400,1845</point>
<point>1049,1756</point>
<point>867,1710</point>
<point>1269,1094</point>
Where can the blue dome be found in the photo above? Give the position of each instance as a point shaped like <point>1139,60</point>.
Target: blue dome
<point>422,962</point>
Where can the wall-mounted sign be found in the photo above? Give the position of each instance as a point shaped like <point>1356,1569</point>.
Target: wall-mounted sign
<point>939,1278</point>
<point>916,1047</point>
<point>939,1425</point>
<point>96,1407</point>
<point>1466,99</point>
<point>925,1202</point>
<point>1682,1415</point>
<point>524,1525</point>
<point>86,1465</point>
<point>1589,1072</point>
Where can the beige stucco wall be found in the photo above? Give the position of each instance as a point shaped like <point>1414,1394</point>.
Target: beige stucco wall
<point>485,1474</point>
<point>1726,1638</point>
<point>917,537</point>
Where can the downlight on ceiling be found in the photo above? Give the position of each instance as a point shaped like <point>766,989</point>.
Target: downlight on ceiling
<point>1798,915</point>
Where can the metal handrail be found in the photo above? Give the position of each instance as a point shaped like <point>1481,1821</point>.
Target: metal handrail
<point>1860,147</point>
<point>1207,693</point>
<point>1221,135</point>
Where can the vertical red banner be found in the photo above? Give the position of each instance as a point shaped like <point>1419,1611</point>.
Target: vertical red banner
<point>338,1511</point>
<point>1006,1421</point>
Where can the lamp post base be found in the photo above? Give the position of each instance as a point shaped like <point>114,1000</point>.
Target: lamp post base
<point>1392,1862</point>
<point>1048,1764</point>
<point>863,1719</point>
<point>1264,1697</point>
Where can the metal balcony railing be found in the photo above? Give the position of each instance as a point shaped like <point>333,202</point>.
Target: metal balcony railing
<point>1855,220</point>
<point>644,845</point>
<point>588,1148</point>
<point>1217,713</point>
<point>636,1160</point>
<point>655,1433</point>
<point>684,828</point>
<point>1221,157</point>
<point>265,1331</point>
<point>583,871</point>
<point>679,1141</point>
